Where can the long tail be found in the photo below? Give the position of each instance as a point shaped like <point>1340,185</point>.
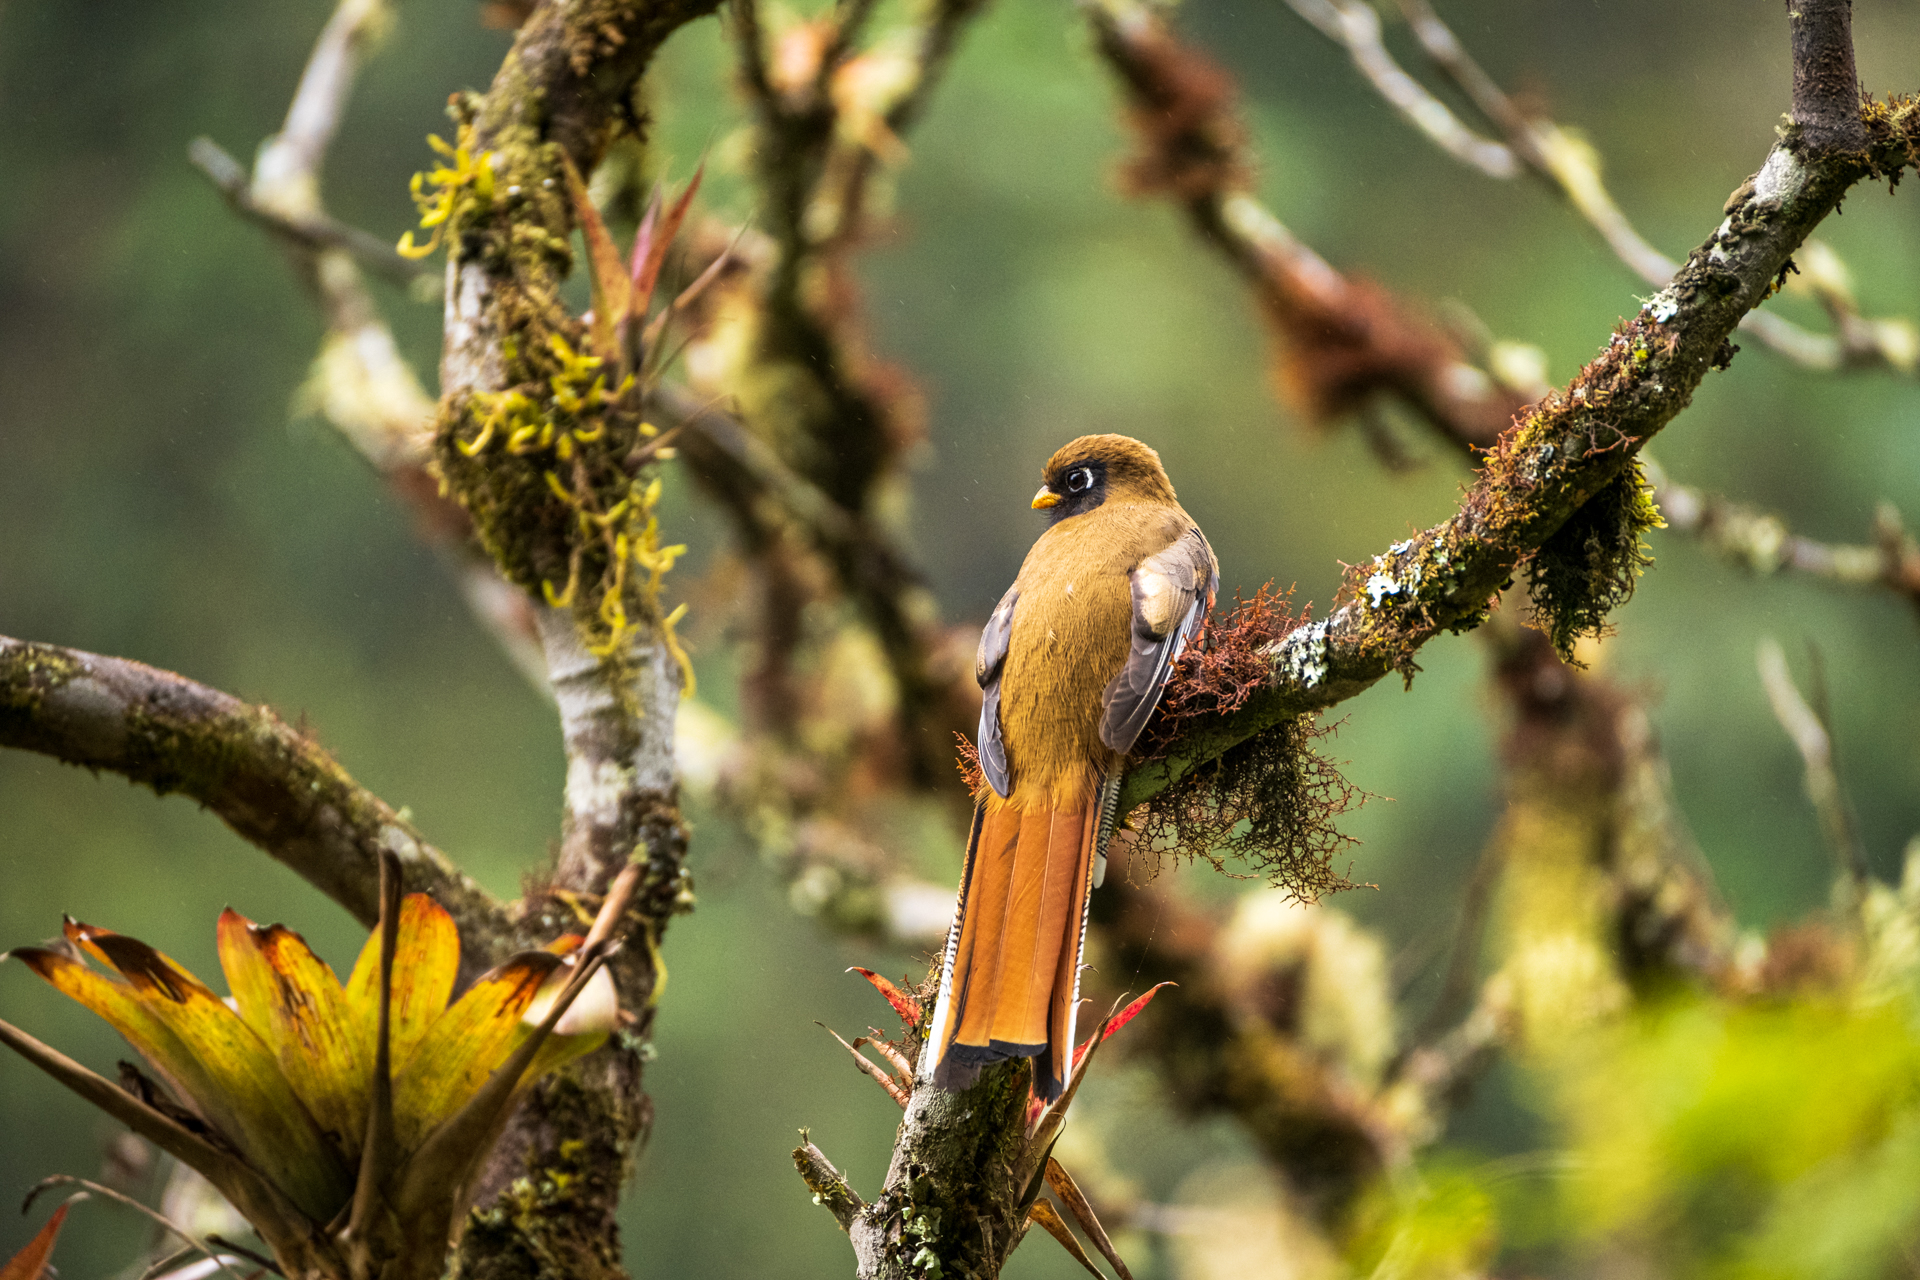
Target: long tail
<point>1010,981</point>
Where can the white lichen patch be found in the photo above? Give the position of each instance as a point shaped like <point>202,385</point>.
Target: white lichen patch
<point>595,789</point>
<point>1379,586</point>
<point>1662,307</point>
<point>1778,178</point>
<point>1303,654</point>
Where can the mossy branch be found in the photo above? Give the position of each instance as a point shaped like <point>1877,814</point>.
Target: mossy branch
<point>1574,446</point>
<point>830,1187</point>
<point>562,93</point>
<point>274,786</point>
<point>951,1206</point>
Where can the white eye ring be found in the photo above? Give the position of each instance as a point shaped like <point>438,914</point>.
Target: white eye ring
<point>1080,479</point>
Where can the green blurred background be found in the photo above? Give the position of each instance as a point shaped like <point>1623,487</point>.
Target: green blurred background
<point>161,500</point>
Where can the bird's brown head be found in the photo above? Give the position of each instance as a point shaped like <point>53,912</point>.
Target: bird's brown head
<point>1092,470</point>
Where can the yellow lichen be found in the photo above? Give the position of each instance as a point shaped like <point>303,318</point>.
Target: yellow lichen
<point>467,172</point>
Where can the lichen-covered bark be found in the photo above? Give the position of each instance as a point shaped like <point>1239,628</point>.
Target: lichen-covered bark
<point>275,787</point>
<point>951,1207</point>
<point>1574,445</point>
<point>551,1188</point>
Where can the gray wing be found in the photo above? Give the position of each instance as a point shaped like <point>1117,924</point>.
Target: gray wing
<point>1172,592</point>
<point>994,640</point>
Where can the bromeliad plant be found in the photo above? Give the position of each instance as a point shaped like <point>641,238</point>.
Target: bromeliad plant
<point>345,1122</point>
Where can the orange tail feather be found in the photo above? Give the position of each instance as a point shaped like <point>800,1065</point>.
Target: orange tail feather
<point>1013,965</point>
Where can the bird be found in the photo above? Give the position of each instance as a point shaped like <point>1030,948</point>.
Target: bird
<point>1071,665</point>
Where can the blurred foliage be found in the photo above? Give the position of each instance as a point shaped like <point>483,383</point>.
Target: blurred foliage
<point>1773,1135</point>
<point>154,503</point>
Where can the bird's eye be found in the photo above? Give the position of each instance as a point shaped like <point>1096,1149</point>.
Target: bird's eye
<point>1079,480</point>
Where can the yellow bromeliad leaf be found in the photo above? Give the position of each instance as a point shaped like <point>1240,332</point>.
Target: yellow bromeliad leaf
<point>426,960</point>
<point>282,1075</point>
<point>294,1002</point>
<point>217,1063</point>
<point>464,1046</point>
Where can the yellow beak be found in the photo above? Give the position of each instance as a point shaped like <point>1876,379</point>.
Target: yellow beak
<point>1045,498</point>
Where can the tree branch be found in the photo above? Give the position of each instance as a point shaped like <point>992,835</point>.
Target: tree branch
<point>1565,450</point>
<point>806,384</point>
<point>273,786</point>
<point>1572,168</point>
<point>1826,92</point>
<point>1339,342</point>
<point>1355,25</point>
<point>1762,543</point>
<point>829,1186</point>
<point>1554,461</point>
<point>360,382</point>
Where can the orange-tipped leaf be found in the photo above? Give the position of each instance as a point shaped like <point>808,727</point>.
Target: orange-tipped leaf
<point>465,1045</point>
<point>31,1262</point>
<point>219,1065</point>
<point>293,1000</point>
<point>1121,1019</point>
<point>650,247</point>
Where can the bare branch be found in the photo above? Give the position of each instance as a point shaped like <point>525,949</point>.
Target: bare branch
<point>830,1187</point>
<point>308,232</point>
<point>360,383</point>
<point>1826,92</point>
<point>561,94</point>
<point>818,400</point>
<point>1356,25</point>
<point>1813,739</point>
<point>1762,543</point>
<point>1341,342</point>
<point>273,786</point>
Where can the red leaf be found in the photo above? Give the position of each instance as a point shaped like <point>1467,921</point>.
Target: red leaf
<point>1120,1020</point>
<point>608,278</point>
<point>903,1004</point>
<point>31,1262</point>
<point>650,246</point>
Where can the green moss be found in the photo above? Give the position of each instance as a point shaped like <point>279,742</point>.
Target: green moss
<point>550,463</point>
<point>1590,566</point>
<point>31,674</point>
<point>952,1212</point>
<point>556,1219</point>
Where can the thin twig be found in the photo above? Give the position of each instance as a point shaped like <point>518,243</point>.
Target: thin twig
<point>1813,739</point>
<point>830,1187</point>
<point>121,1198</point>
<point>1762,543</point>
<point>1355,25</point>
<point>1569,447</point>
<point>1340,343</point>
<point>309,232</point>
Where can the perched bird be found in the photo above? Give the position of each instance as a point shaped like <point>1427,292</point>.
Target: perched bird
<point>1072,663</point>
